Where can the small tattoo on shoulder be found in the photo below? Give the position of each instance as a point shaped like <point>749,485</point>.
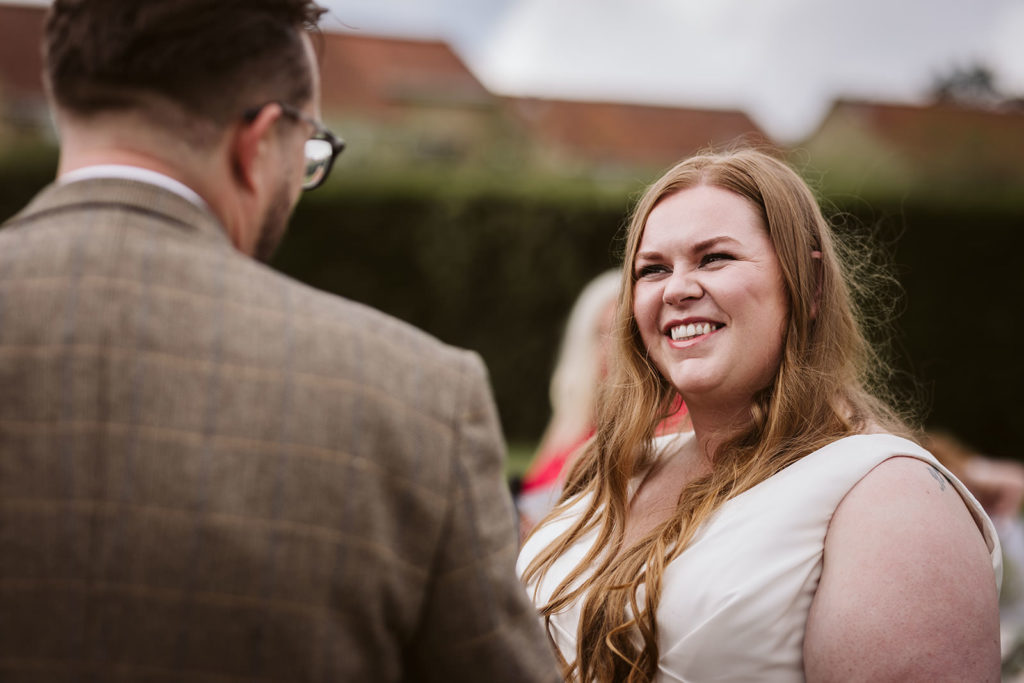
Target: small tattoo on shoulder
<point>938,476</point>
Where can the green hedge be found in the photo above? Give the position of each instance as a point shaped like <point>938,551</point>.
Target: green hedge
<point>494,264</point>
<point>962,327</point>
<point>496,274</point>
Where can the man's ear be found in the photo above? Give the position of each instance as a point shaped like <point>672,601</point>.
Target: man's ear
<point>248,145</point>
<point>818,274</point>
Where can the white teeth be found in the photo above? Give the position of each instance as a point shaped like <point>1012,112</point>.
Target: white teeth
<point>684,332</point>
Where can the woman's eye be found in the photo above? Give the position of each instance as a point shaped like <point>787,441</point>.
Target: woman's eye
<point>652,269</point>
<point>708,259</point>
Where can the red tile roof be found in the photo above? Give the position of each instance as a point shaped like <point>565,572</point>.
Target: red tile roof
<point>608,131</point>
<point>925,130</point>
<point>944,138</point>
<point>376,74</point>
<point>21,60</point>
<point>384,75</point>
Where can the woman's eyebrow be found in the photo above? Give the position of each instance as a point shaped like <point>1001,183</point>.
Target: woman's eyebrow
<point>713,242</point>
<point>703,245</point>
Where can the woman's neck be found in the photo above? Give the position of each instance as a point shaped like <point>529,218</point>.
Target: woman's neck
<point>713,423</point>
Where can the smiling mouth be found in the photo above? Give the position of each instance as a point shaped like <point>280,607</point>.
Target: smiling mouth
<point>692,330</point>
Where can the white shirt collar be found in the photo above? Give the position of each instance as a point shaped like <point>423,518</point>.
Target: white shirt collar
<point>142,175</point>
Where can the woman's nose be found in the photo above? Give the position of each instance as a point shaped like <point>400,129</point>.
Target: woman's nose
<point>682,285</point>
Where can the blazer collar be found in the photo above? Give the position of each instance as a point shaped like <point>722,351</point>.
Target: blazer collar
<point>113,192</point>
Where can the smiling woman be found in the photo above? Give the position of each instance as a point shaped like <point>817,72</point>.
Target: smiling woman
<point>707,282</point>
<point>797,533</point>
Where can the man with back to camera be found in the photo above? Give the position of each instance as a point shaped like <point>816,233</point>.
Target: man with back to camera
<point>209,471</point>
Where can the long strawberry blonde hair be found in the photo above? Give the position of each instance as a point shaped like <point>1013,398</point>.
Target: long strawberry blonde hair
<point>826,387</point>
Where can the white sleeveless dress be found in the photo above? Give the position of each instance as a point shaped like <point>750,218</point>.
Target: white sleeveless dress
<point>734,604</point>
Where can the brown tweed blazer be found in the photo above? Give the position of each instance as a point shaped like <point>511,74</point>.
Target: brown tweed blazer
<point>210,472</point>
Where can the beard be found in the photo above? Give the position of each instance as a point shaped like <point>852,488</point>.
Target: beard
<point>274,225</point>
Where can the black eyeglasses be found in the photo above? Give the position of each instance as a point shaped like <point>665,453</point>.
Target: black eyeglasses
<point>322,147</point>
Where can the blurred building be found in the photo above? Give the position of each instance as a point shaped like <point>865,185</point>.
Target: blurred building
<point>415,102</point>
<point>401,100</point>
<point>880,149</point>
<point>22,101</point>
<point>418,99</point>
<point>613,133</point>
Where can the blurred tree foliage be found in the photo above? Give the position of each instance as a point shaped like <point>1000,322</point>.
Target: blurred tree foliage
<point>973,84</point>
<point>493,262</point>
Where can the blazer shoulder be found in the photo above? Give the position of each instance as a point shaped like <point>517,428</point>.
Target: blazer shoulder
<point>402,341</point>
<point>382,350</point>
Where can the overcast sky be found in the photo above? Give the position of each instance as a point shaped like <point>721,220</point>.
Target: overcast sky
<point>781,61</point>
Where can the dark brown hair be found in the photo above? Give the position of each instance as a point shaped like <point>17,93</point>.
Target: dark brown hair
<point>209,58</point>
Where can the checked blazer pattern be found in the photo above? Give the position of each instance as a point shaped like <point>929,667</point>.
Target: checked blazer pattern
<point>210,472</point>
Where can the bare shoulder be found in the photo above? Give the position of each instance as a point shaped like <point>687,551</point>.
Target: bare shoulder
<point>905,483</point>
<point>906,511</point>
<point>916,507</point>
<point>903,470</point>
<point>907,590</point>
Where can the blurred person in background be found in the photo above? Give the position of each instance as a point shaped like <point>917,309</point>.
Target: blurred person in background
<point>998,484</point>
<point>579,371</point>
<point>796,533</point>
<point>209,471</point>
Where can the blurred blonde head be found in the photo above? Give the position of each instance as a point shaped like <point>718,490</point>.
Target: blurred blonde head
<point>582,361</point>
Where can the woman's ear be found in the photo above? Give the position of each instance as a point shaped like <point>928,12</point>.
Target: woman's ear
<point>816,257</point>
<point>248,148</point>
